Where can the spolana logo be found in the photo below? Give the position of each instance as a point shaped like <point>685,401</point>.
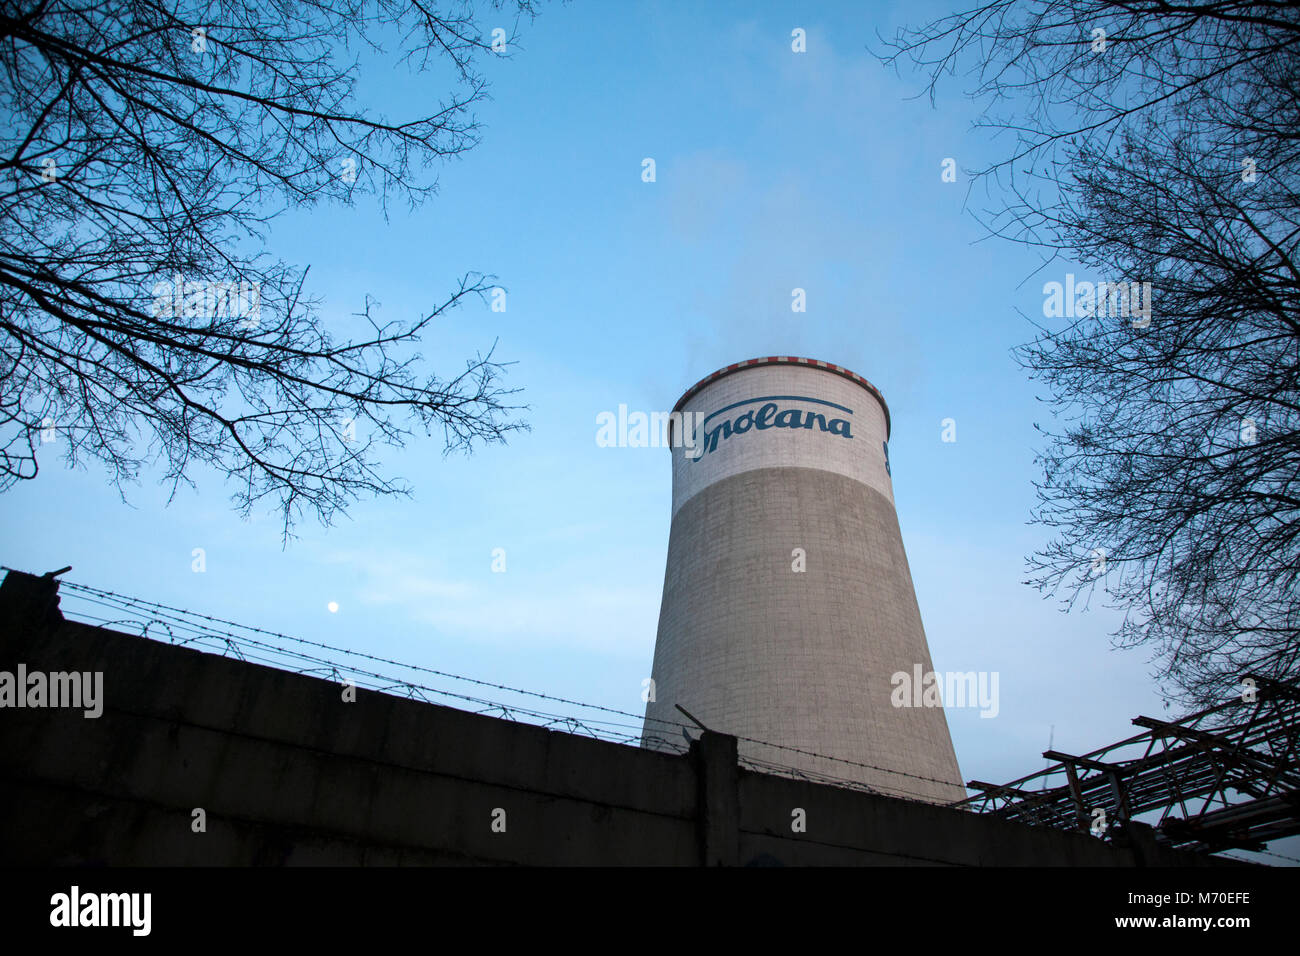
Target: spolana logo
<point>772,412</point>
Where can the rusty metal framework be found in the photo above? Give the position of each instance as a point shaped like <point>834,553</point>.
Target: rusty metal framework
<point>1226,777</point>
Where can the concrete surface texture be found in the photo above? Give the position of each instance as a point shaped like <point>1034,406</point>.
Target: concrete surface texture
<point>788,605</point>
<point>287,771</point>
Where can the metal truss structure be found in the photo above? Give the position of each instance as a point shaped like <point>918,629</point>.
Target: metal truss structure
<point>1226,777</point>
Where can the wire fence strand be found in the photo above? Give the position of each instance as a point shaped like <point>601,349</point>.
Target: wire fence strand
<point>252,644</point>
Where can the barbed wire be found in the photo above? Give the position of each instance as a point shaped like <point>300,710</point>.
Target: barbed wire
<point>141,604</point>
<point>382,683</point>
<point>184,627</point>
<point>851,763</point>
<point>239,643</point>
<point>847,783</point>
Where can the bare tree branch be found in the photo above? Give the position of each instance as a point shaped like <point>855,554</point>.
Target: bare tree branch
<point>1162,150</point>
<point>147,144</point>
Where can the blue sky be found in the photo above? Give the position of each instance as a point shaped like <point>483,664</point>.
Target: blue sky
<point>775,170</point>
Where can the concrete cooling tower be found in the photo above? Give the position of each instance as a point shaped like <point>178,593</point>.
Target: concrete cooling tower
<point>788,605</point>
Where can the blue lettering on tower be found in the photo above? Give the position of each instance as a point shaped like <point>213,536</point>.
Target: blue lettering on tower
<point>773,413</point>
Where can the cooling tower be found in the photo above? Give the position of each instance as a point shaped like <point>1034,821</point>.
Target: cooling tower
<point>788,605</point>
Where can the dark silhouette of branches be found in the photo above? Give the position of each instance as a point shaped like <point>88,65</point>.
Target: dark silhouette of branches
<point>1166,154</point>
<point>145,146</point>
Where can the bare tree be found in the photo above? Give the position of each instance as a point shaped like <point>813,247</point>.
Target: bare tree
<point>145,146</point>
<point>1157,143</point>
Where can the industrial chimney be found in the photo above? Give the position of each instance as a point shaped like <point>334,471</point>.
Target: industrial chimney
<point>788,605</point>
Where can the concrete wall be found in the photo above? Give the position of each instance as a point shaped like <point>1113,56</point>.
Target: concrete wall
<point>289,773</point>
